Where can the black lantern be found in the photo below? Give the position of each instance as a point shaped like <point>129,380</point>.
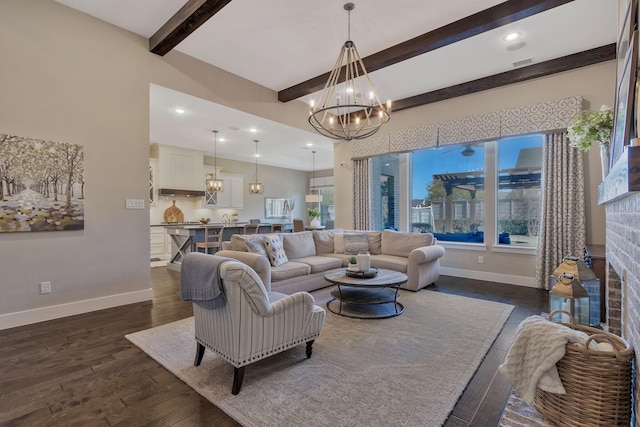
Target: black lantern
<point>570,296</point>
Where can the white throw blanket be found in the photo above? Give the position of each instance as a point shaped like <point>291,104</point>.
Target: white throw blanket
<point>531,360</point>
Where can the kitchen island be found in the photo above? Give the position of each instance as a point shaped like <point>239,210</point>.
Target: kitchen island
<point>184,236</point>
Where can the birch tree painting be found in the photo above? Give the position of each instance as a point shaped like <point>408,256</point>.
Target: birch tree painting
<point>41,185</point>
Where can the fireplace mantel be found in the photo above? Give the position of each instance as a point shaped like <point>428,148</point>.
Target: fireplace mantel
<point>623,178</point>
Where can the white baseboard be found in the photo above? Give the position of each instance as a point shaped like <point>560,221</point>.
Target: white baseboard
<point>27,317</point>
<point>529,282</point>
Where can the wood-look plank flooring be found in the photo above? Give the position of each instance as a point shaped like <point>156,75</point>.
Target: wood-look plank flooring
<point>81,371</point>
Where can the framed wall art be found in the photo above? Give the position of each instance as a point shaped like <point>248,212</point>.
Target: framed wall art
<point>275,208</point>
<point>626,25</point>
<point>624,108</point>
<point>41,185</point>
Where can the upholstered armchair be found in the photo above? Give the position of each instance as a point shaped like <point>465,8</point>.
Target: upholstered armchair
<point>253,324</point>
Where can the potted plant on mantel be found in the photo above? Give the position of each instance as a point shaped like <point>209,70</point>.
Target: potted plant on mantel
<point>315,214</point>
<point>593,126</point>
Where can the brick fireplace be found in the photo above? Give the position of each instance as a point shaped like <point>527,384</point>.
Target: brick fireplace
<point>622,203</point>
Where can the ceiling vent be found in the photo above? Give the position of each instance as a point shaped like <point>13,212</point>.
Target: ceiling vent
<point>523,62</point>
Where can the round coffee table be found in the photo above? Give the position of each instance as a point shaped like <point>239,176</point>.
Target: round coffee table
<point>365,298</point>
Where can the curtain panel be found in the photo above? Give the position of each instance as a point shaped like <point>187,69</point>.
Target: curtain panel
<point>362,194</point>
<point>563,226</point>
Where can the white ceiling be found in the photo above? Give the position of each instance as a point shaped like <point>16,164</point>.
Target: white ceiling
<point>280,43</point>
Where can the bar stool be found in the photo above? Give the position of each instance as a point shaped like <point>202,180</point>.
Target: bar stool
<point>298,225</point>
<point>277,227</point>
<point>212,239</point>
<point>251,228</point>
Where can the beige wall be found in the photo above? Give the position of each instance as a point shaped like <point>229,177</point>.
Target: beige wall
<point>594,83</point>
<point>75,79</point>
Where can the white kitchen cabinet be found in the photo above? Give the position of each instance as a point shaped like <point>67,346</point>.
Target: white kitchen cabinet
<point>158,238</point>
<point>232,194</point>
<point>180,168</point>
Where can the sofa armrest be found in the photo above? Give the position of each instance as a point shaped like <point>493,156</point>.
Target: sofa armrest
<point>423,266</point>
<point>426,254</point>
<point>260,264</point>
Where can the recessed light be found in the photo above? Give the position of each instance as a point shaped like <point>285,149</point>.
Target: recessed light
<point>511,36</point>
<point>253,130</point>
<point>179,110</point>
<point>309,144</point>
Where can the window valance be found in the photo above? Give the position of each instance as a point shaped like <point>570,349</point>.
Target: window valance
<point>536,118</point>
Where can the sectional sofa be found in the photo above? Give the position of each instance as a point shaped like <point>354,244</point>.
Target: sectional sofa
<point>292,262</point>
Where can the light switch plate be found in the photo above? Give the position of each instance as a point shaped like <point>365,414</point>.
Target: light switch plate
<point>134,204</point>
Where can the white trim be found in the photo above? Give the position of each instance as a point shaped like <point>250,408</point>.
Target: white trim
<point>522,250</point>
<point>27,317</point>
<point>447,244</point>
<point>529,282</point>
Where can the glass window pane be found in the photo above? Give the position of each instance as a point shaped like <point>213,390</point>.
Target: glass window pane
<point>327,206</point>
<point>385,192</point>
<point>519,190</point>
<point>448,192</point>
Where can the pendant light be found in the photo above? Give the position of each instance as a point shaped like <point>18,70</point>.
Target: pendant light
<point>314,196</point>
<point>348,109</point>
<point>213,183</point>
<point>256,187</point>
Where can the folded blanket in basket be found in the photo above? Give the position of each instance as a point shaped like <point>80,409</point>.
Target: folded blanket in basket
<point>531,360</point>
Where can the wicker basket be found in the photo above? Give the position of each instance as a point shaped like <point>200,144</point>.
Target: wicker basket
<point>598,383</point>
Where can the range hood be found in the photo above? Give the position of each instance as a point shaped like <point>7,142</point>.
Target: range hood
<point>179,193</point>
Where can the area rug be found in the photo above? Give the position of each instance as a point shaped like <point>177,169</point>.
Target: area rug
<point>408,370</point>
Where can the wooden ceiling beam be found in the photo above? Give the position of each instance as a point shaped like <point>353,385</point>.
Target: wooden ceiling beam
<point>488,19</point>
<point>185,21</point>
<point>565,63</point>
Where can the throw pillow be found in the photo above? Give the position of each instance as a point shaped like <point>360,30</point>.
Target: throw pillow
<point>355,243</point>
<point>238,241</point>
<point>256,247</point>
<point>275,249</point>
<point>324,241</point>
<point>299,245</point>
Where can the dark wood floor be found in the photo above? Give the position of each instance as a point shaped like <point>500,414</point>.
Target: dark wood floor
<point>81,371</point>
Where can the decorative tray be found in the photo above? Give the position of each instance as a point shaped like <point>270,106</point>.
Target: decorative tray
<point>365,274</point>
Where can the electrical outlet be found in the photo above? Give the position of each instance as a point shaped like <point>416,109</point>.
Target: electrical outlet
<point>480,259</point>
<point>45,287</point>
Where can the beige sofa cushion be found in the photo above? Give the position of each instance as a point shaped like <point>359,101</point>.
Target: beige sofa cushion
<point>401,244</point>
<point>299,245</point>
<point>323,240</point>
<point>289,270</point>
<point>319,263</point>
<point>375,242</point>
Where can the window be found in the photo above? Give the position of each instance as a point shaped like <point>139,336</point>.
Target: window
<point>385,190</point>
<point>327,206</point>
<point>519,190</point>
<point>448,192</point>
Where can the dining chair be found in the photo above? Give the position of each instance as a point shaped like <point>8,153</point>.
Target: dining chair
<point>212,239</point>
<point>251,228</point>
